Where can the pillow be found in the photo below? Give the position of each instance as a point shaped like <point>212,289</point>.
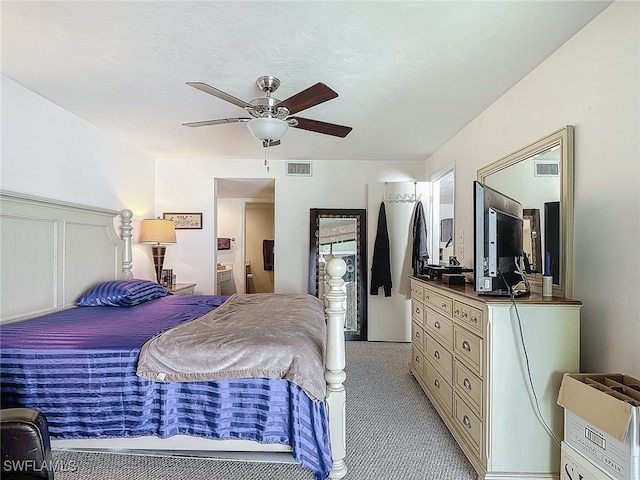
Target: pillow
<point>121,293</point>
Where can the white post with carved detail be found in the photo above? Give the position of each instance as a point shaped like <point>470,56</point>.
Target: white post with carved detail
<point>335,362</point>
<point>125,229</point>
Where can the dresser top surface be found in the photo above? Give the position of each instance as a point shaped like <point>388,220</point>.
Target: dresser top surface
<point>467,291</point>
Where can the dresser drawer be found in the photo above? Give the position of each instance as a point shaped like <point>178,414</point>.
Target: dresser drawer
<point>440,303</point>
<point>469,386</point>
<point>181,288</point>
<point>470,316</point>
<point>225,276</point>
<point>439,326</point>
<point>417,360</point>
<point>468,347</point>
<point>417,291</point>
<point>440,357</point>
<point>439,388</point>
<point>468,423</point>
<point>417,336</point>
<point>417,311</point>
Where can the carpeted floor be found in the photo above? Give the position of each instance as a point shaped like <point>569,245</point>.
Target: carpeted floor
<point>393,432</point>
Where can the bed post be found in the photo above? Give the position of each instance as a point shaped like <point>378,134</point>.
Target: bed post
<point>125,228</point>
<point>335,375</point>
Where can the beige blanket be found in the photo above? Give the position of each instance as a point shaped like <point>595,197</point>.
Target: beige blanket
<point>250,335</point>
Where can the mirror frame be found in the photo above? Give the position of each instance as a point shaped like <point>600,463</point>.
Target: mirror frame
<point>563,138</point>
<point>360,215</point>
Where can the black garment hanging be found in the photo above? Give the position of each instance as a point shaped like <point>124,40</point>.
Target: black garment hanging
<point>381,265</point>
<point>420,254</point>
<point>267,254</point>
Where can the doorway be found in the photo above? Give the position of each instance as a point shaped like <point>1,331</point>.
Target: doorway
<point>234,223</point>
<point>259,247</point>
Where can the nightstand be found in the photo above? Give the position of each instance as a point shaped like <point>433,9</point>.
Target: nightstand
<point>181,288</point>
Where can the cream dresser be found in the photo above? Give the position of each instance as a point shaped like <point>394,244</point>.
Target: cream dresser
<point>468,356</point>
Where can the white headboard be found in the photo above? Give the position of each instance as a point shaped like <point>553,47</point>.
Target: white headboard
<point>51,252</point>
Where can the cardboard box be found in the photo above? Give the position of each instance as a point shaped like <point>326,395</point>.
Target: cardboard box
<point>574,466</point>
<point>602,421</point>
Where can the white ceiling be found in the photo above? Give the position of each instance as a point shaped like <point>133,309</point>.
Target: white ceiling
<point>409,75</point>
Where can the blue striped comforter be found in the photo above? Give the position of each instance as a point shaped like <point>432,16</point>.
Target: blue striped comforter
<point>78,367</point>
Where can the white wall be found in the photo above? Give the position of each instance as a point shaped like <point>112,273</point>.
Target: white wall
<point>188,186</point>
<point>49,152</point>
<point>593,83</point>
<point>389,318</point>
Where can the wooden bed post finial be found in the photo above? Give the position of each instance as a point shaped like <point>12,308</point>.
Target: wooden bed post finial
<point>335,362</point>
<point>125,228</point>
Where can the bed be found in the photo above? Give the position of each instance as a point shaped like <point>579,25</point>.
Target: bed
<point>108,399</point>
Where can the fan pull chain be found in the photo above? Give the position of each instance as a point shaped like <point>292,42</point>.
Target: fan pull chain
<point>266,155</point>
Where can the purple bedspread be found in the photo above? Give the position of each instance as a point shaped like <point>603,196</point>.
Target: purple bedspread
<point>78,367</point>
<point>88,328</point>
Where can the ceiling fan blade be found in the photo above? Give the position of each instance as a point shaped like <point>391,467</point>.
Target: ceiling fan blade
<point>219,93</point>
<point>220,121</point>
<point>322,127</point>
<point>308,98</point>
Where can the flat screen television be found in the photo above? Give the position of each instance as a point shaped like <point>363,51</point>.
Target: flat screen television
<point>498,246</point>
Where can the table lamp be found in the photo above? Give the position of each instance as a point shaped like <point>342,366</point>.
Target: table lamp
<point>157,233</point>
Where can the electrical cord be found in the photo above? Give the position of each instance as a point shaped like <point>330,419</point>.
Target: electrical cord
<point>532,390</point>
<point>523,276</point>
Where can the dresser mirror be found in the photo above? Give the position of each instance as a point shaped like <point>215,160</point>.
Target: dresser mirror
<point>341,233</point>
<point>540,177</point>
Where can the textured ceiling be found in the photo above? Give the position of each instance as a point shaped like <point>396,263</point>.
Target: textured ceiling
<point>409,75</point>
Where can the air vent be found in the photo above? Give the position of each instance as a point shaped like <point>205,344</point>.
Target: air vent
<point>547,169</point>
<point>299,169</point>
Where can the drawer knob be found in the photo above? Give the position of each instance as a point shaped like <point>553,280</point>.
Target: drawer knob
<point>436,324</point>
<point>443,305</point>
<point>457,312</point>
<point>465,315</point>
<point>474,319</point>
<point>466,421</point>
<point>436,354</point>
<point>436,383</point>
<point>467,384</point>
<point>417,309</point>
<point>417,334</point>
<point>466,346</point>
<point>417,359</point>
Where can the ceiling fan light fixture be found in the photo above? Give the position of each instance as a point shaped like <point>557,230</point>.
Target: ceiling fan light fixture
<point>267,129</point>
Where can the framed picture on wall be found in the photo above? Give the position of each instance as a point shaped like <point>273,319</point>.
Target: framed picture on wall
<point>184,221</point>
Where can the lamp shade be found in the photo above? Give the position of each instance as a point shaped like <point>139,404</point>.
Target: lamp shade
<point>267,129</point>
<point>157,231</point>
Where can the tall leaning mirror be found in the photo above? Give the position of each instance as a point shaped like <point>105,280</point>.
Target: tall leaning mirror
<point>540,177</point>
<point>341,233</point>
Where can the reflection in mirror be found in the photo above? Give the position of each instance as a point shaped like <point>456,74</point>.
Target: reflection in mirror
<point>442,227</point>
<point>531,240</point>
<point>540,177</point>
<point>341,233</point>
<point>338,239</point>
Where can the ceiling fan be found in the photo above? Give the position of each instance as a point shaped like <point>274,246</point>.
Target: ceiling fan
<point>269,117</point>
